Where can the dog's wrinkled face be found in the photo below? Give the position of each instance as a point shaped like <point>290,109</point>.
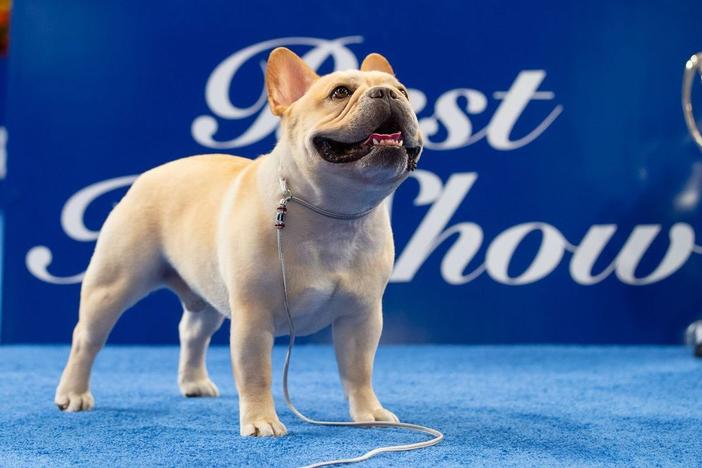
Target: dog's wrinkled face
<point>367,113</point>
<point>357,123</point>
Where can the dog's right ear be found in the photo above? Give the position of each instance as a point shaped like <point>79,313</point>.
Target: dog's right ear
<point>376,62</point>
<point>288,77</point>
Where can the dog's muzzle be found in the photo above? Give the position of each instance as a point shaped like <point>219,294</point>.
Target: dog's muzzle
<point>389,135</point>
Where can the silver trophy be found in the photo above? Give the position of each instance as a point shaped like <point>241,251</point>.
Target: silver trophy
<point>693,69</point>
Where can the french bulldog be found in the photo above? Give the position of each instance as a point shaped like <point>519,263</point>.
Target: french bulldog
<point>203,226</point>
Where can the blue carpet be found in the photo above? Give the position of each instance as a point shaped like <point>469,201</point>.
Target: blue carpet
<point>498,406</point>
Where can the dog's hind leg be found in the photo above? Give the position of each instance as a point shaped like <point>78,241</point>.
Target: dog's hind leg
<point>199,322</point>
<point>195,329</point>
<point>104,296</point>
<point>126,266</point>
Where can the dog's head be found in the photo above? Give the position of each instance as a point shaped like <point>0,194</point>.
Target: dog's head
<point>355,125</point>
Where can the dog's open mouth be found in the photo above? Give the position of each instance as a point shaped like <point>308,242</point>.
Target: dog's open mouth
<point>387,136</point>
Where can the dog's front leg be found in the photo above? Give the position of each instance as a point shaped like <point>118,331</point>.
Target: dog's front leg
<point>251,346</point>
<point>356,340</point>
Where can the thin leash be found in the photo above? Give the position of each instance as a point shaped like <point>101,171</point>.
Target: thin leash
<point>437,436</point>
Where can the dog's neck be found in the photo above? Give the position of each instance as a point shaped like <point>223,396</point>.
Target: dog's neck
<point>327,191</point>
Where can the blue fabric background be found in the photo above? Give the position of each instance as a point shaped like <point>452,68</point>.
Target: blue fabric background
<point>99,90</point>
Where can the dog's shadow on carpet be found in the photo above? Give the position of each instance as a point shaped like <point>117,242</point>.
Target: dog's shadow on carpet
<point>133,412</point>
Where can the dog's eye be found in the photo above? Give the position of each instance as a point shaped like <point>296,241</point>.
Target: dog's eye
<point>341,92</point>
<point>404,91</point>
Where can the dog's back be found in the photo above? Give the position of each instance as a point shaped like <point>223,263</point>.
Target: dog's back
<point>182,197</point>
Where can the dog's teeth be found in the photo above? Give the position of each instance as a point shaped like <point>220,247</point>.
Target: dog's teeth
<point>387,141</point>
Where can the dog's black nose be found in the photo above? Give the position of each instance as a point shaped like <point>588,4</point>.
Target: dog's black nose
<point>381,92</point>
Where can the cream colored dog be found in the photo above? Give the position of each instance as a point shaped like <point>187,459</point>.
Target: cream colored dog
<point>204,227</point>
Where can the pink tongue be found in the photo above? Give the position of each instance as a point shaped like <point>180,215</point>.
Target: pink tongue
<point>384,136</point>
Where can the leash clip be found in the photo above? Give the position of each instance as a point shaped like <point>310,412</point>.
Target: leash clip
<point>282,209</point>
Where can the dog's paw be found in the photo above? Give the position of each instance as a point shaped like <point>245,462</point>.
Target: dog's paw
<point>378,414</point>
<point>199,388</point>
<point>264,427</point>
<point>72,402</point>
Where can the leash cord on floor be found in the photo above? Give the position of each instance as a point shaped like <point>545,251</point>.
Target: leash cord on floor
<point>437,436</point>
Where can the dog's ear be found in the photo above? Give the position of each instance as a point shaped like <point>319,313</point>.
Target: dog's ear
<point>376,62</point>
<point>287,79</point>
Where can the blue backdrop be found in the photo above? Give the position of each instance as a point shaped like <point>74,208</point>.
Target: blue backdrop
<point>558,198</point>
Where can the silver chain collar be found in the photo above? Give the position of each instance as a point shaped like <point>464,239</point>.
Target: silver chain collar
<point>288,196</point>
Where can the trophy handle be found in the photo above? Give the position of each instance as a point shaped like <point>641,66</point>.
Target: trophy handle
<point>693,66</point>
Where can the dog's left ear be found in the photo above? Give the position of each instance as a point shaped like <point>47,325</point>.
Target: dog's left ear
<point>376,62</point>
<point>288,78</point>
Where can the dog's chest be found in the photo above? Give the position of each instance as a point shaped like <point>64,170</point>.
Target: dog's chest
<point>327,278</point>
<point>312,309</point>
